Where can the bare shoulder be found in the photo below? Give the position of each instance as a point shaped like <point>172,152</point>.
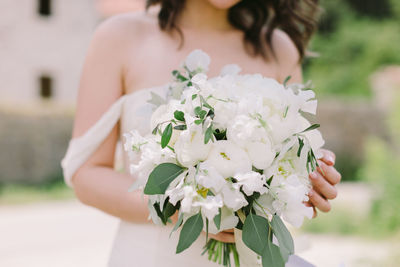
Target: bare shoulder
<point>284,48</point>
<point>287,56</point>
<point>123,27</point>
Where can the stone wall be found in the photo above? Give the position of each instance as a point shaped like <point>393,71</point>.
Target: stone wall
<point>32,145</point>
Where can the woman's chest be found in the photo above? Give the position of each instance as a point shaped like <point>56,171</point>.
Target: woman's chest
<point>151,63</point>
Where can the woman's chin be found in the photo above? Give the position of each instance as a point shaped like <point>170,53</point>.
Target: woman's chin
<point>223,4</point>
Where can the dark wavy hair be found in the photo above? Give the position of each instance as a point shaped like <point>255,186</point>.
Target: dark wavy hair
<point>257,19</point>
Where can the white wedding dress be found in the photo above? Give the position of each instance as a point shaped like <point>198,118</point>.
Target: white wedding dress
<point>144,245</point>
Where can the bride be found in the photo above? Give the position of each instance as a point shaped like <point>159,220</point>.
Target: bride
<point>132,55</point>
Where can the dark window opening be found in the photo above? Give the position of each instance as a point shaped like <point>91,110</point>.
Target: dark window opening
<point>44,7</point>
<point>46,87</point>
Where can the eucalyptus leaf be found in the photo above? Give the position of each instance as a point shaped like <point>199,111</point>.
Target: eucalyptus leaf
<point>217,219</point>
<point>284,237</point>
<point>178,224</point>
<point>190,232</point>
<point>156,100</point>
<point>166,135</point>
<point>255,233</point>
<point>271,256</point>
<point>179,115</point>
<point>312,127</point>
<point>180,127</point>
<point>161,177</point>
<point>208,134</point>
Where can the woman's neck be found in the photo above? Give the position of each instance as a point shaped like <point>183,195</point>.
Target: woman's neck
<point>201,15</point>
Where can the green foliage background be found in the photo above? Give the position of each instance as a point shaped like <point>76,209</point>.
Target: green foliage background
<point>352,44</point>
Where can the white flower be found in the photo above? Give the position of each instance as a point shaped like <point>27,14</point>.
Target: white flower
<point>189,194</point>
<point>251,182</point>
<point>314,137</point>
<point>244,129</point>
<point>209,177</point>
<point>228,158</point>
<point>190,147</point>
<point>261,154</point>
<point>233,198</point>
<point>209,206</point>
<point>230,69</point>
<point>228,221</point>
<point>197,61</point>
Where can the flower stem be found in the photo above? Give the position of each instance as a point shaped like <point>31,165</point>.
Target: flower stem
<point>221,252</point>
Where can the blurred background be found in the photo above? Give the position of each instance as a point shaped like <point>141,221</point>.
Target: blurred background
<point>355,68</point>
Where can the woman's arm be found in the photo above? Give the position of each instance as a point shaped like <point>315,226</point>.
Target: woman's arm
<point>96,183</point>
<point>326,177</point>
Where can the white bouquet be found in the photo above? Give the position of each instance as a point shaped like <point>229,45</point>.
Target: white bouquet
<point>233,151</point>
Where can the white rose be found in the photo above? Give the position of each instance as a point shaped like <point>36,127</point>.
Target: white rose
<point>233,198</point>
<point>209,206</point>
<point>187,202</point>
<point>251,182</point>
<point>228,158</point>
<point>190,147</point>
<point>209,177</point>
<point>197,61</point>
<point>261,154</point>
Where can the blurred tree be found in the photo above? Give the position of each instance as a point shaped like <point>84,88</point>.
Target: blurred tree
<point>376,9</point>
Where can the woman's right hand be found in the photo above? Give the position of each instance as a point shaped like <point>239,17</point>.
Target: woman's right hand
<point>226,236</point>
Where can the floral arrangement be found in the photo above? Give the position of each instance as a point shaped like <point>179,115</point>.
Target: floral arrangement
<point>232,151</point>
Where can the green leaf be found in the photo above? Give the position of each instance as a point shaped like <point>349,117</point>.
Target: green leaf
<point>194,96</point>
<point>178,224</point>
<point>301,145</point>
<point>190,232</point>
<point>217,219</point>
<point>180,127</point>
<point>155,130</point>
<point>255,233</point>
<point>166,135</point>
<point>286,80</point>
<point>271,256</point>
<point>285,112</point>
<point>197,110</point>
<point>179,115</point>
<point>204,102</point>
<point>168,210</point>
<point>208,134</point>
<point>161,177</point>
<point>198,122</point>
<point>156,99</point>
<point>286,244</point>
<point>312,127</point>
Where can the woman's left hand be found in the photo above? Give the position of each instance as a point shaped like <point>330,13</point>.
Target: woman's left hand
<point>323,181</point>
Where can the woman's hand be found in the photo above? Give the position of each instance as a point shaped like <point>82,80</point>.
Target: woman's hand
<point>226,236</point>
<point>323,181</point>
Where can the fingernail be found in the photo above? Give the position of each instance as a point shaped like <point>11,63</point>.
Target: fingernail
<point>311,193</point>
<point>313,175</point>
<point>330,160</point>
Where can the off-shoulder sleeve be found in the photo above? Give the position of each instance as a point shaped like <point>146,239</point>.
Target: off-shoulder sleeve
<point>81,148</point>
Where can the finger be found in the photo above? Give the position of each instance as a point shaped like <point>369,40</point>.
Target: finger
<point>229,231</point>
<point>322,186</point>
<point>328,157</point>
<point>319,202</point>
<point>309,204</point>
<point>223,237</point>
<point>329,173</point>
